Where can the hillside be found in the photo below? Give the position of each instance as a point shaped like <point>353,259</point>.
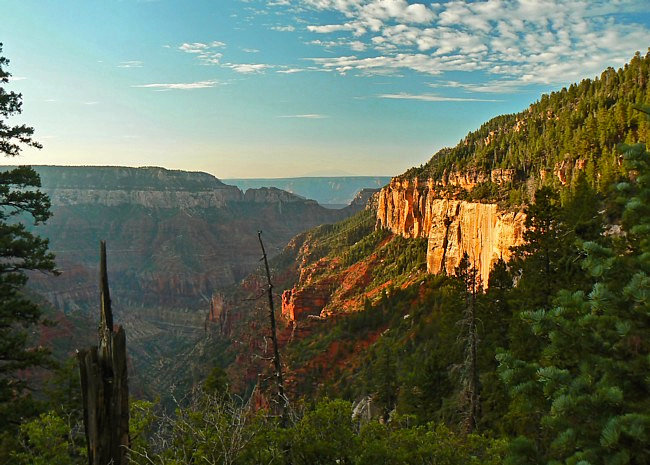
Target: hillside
<point>575,129</point>
<point>370,308</point>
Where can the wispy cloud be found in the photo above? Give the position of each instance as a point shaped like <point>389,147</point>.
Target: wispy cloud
<point>180,85</point>
<point>130,64</point>
<point>200,47</point>
<point>288,28</point>
<point>305,116</point>
<point>250,50</point>
<point>292,70</point>
<point>383,64</point>
<point>206,53</point>
<point>283,69</point>
<point>354,45</point>
<point>489,87</point>
<point>248,68</point>
<point>90,103</point>
<point>433,98</point>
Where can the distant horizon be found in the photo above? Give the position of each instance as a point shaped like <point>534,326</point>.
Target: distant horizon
<point>305,176</point>
<point>257,89</point>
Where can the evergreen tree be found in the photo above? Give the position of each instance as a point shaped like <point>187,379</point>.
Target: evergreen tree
<point>593,369</point>
<point>541,259</point>
<point>494,320</point>
<point>21,251</point>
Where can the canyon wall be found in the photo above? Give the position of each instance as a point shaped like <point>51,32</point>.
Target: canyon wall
<point>452,227</point>
<point>175,241</point>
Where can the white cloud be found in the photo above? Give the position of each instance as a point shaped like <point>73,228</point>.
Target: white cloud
<point>306,116</point>
<point>489,87</point>
<point>284,28</point>
<point>250,50</point>
<point>130,64</point>
<point>433,98</point>
<point>520,42</point>
<point>355,45</point>
<point>206,53</point>
<point>327,28</point>
<point>180,85</point>
<point>248,68</point>
<point>291,70</point>
<point>398,10</point>
<point>200,47</point>
<point>383,64</point>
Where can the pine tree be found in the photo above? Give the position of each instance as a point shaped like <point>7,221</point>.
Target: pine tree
<point>592,372</point>
<point>541,260</point>
<point>21,251</point>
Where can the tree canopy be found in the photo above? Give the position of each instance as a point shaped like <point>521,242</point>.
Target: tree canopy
<point>20,252</point>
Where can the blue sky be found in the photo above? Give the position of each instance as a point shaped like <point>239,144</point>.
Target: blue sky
<point>247,88</point>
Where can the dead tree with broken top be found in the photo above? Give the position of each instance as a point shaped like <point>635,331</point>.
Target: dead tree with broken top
<point>283,401</point>
<point>104,385</point>
<point>468,337</point>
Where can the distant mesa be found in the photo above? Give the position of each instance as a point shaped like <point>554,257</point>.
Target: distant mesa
<point>329,191</point>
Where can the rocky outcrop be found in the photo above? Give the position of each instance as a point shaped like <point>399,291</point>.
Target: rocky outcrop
<point>452,227</point>
<point>565,169</point>
<point>363,199</point>
<point>469,179</point>
<point>311,295</point>
<point>272,195</point>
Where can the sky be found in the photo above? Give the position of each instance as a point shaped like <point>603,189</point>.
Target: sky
<point>281,88</point>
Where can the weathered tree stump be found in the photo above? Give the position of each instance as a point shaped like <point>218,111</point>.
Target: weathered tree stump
<point>104,385</point>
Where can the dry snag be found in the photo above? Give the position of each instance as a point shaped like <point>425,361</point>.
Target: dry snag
<point>104,385</point>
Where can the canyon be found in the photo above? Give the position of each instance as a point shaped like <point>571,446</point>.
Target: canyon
<point>175,240</point>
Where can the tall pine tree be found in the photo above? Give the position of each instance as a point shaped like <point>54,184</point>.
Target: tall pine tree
<point>21,251</point>
<point>592,373</point>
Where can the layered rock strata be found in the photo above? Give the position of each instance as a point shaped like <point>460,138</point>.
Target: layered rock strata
<point>452,227</point>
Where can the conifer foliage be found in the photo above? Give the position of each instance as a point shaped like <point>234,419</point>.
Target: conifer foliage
<point>592,371</point>
<point>583,121</point>
<point>20,250</point>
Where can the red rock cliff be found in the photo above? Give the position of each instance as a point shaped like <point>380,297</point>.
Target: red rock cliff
<point>452,227</point>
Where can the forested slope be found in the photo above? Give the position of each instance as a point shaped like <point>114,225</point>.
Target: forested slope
<point>576,128</point>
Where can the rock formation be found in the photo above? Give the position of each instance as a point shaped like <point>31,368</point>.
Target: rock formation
<point>312,293</point>
<point>452,227</point>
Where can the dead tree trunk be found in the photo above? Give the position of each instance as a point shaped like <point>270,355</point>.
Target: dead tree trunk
<point>468,336</point>
<point>104,385</point>
<point>282,398</point>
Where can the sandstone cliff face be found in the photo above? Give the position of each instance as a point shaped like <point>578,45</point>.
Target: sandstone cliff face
<point>452,227</point>
<point>312,293</point>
